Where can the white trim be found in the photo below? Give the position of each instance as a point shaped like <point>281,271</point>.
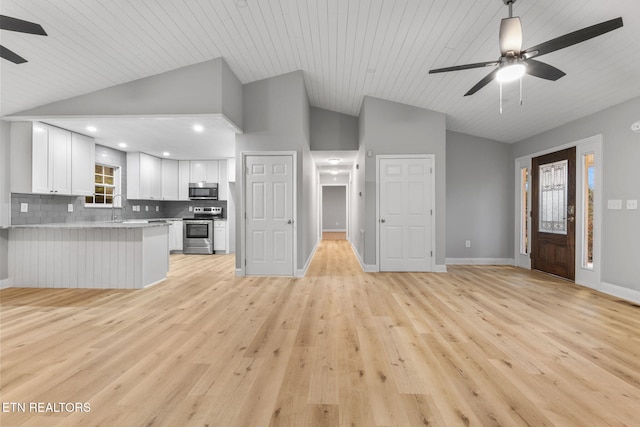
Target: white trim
<point>432,190</point>
<point>367,268</point>
<point>335,230</point>
<point>620,292</point>
<point>239,272</point>
<point>154,283</point>
<point>522,260</point>
<point>301,272</point>
<point>243,221</point>
<point>439,268</point>
<point>480,261</point>
<point>5,283</point>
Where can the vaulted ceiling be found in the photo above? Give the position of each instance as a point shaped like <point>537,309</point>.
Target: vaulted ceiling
<point>346,48</point>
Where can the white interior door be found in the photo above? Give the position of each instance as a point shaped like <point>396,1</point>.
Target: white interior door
<point>269,215</point>
<point>406,214</point>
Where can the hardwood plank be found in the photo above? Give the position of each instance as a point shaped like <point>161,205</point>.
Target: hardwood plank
<point>480,345</point>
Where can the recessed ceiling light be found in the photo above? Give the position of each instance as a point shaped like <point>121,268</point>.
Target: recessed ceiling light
<point>198,128</point>
<point>92,128</point>
<point>122,144</point>
<point>334,161</point>
<point>334,172</point>
<point>166,154</point>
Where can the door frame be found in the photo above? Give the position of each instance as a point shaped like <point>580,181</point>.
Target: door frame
<point>242,271</point>
<point>432,190</point>
<point>585,277</point>
<point>321,207</point>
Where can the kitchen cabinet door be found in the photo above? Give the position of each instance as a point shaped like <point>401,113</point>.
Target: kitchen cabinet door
<point>175,235</point>
<point>83,159</point>
<point>223,184</point>
<point>212,171</point>
<point>170,183</point>
<point>183,180</point>
<point>150,177</point>
<point>51,160</point>
<point>220,236</point>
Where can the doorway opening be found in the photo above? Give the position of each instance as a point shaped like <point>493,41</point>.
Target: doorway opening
<point>334,212</point>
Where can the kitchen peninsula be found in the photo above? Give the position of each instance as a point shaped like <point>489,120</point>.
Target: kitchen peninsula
<point>121,255</point>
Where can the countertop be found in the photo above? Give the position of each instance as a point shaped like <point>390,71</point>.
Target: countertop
<point>100,225</point>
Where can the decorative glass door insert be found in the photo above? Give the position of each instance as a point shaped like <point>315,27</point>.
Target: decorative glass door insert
<point>553,197</point>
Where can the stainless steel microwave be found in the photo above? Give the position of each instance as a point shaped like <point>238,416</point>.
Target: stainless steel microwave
<point>203,190</point>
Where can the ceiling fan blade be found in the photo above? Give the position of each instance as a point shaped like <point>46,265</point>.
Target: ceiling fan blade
<point>14,24</point>
<point>542,70</point>
<point>573,38</point>
<point>464,67</point>
<point>11,56</point>
<point>510,36</point>
<point>482,83</point>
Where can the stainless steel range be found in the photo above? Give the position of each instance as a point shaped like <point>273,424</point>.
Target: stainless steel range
<point>198,230</point>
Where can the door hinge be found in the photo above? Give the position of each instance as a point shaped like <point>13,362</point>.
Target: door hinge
<point>431,212</point>
<point>245,262</point>
<point>431,254</point>
<point>431,169</point>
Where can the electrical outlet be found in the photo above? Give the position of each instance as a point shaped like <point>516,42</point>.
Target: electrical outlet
<point>157,208</point>
<point>190,208</point>
<point>632,205</point>
<point>146,208</point>
<point>24,207</point>
<point>467,243</point>
<point>70,207</point>
<point>614,204</point>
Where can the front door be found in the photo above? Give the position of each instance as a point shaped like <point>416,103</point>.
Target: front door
<point>269,215</point>
<point>406,214</point>
<point>553,213</point>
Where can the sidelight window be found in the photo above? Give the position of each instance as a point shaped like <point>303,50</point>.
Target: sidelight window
<point>588,188</point>
<point>553,197</point>
<point>524,211</point>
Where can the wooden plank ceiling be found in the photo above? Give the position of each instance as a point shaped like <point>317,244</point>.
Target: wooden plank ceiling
<point>347,49</point>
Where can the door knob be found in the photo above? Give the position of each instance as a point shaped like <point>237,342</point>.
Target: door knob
<point>383,220</point>
<point>289,222</point>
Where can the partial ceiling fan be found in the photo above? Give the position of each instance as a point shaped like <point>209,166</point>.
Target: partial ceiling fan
<point>20,26</point>
<point>515,62</point>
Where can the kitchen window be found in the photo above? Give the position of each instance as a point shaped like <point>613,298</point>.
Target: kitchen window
<point>107,184</point>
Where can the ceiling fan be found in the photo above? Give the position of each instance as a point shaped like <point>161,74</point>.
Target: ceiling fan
<point>514,62</point>
<point>20,26</point>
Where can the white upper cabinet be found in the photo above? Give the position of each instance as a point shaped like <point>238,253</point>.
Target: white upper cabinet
<point>206,170</point>
<point>83,160</point>
<point>51,160</point>
<point>170,188</point>
<point>144,177</point>
<point>183,179</point>
<point>223,184</point>
<point>231,169</point>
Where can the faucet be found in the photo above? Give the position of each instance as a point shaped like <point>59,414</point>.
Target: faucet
<point>113,206</point>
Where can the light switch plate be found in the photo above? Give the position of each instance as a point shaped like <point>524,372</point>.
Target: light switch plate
<point>24,207</point>
<point>146,208</point>
<point>632,205</point>
<point>614,204</point>
<point>157,208</point>
<point>70,207</point>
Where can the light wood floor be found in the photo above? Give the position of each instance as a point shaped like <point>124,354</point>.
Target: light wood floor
<point>477,346</point>
<point>334,235</point>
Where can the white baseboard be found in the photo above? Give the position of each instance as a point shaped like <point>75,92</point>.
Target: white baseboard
<point>367,268</point>
<point>4,284</point>
<point>239,272</point>
<point>331,230</point>
<point>439,268</point>
<point>480,261</point>
<point>303,272</point>
<point>620,292</point>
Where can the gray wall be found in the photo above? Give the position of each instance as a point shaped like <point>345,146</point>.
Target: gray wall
<point>621,180</point>
<point>334,207</point>
<point>5,197</point>
<point>333,131</point>
<point>195,89</point>
<point>479,197</point>
<point>388,127</point>
<point>276,118</point>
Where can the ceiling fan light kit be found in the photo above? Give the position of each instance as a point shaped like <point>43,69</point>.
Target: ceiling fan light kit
<point>515,62</point>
